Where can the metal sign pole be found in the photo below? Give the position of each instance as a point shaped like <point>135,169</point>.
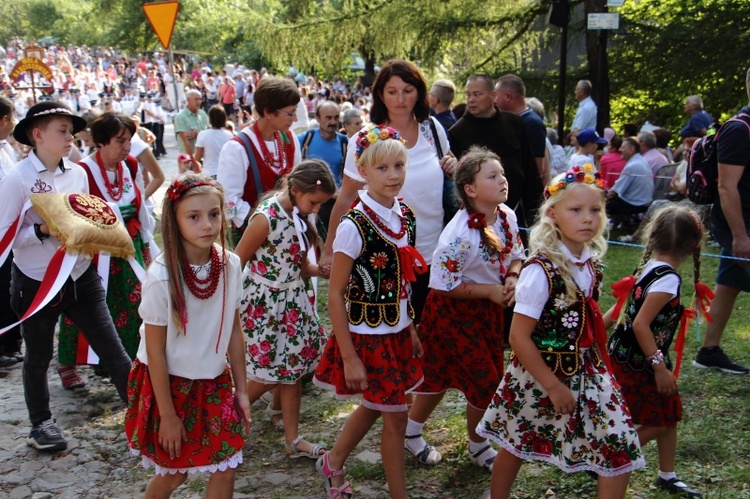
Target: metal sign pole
<point>174,80</point>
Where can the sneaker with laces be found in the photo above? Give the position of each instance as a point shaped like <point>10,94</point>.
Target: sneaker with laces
<point>714,357</point>
<point>47,436</point>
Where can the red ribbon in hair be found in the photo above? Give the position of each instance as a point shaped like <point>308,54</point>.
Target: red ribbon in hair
<point>703,297</point>
<point>600,332</point>
<point>410,257</point>
<point>621,290</point>
<point>679,345</point>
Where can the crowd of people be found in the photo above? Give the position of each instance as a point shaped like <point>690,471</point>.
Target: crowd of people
<point>413,208</point>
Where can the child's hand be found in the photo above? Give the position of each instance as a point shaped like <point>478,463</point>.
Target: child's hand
<point>666,383</point>
<point>355,375</point>
<point>509,290</point>
<point>562,398</point>
<point>497,294</point>
<point>417,351</point>
<point>242,404</point>
<point>171,435</point>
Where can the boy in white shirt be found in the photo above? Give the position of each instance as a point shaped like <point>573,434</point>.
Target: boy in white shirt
<point>49,127</point>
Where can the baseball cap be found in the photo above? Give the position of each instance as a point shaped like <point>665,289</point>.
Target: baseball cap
<point>183,157</point>
<point>589,135</point>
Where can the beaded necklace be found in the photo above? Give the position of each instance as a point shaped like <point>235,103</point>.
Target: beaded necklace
<point>203,288</point>
<point>375,218</point>
<point>268,157</point>
<point>506,232</point>
<point>115,191</point>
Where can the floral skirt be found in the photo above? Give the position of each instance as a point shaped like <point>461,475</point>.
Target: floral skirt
<point>647,406</point>
<point>392,372</point>
<point>463,347</point>
<point>284,338</point>
<point>206,408</point>
<point>598,436</point>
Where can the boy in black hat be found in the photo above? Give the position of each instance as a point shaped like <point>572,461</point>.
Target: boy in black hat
<point>48,128</point>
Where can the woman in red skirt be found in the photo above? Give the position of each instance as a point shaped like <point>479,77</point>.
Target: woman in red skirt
<point>183,415</point>
<point>474,272</point>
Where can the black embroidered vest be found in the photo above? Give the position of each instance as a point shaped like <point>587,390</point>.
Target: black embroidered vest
<point>560,328</point>
<point>623,346</point>
<point>375,285</point>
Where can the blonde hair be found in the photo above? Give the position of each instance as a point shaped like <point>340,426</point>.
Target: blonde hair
<point>182,188</point>
<point>546,238</point>
<point>381,150</point>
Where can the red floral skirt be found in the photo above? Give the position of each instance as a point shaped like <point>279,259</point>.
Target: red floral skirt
<point>207,410</point>
<point>647,406</point>
<point>392,372</point>
<point>463,347</point>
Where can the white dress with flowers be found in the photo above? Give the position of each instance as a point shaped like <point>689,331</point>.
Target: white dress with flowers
<point>284,337</point>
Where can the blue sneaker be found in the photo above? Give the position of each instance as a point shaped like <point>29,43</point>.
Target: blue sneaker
<point>47,436</point>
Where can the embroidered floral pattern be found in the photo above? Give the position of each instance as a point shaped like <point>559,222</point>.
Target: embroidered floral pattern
<point>570,319</point>
<point>284,338</point>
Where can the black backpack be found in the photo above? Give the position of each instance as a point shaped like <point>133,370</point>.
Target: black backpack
<point>703,170</point>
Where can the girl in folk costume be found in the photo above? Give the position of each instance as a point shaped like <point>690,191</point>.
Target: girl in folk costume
<point>254,160</point>
<point>473,276</point>
<point>283,335</point>
<point>114,176</point>
<point>182,416</point>
<point>558,402</point>
<point>374,348</point>
<point>644,332</point>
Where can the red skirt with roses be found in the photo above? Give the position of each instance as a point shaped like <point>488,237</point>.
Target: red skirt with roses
<point>392,371</point>
<point>647,406</point>
<point>206,408</point>
<point>597,436</point>
<point>463,346</point>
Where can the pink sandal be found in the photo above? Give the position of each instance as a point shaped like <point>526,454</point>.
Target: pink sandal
<point>344,490</point>
<point>70,378</point>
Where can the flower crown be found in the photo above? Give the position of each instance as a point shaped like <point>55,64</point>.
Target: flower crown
<point>373,133</point>
<point>585,174</point>
<point>181,186</point>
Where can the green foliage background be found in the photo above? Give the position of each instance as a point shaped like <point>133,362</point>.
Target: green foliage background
<point>664,50</point>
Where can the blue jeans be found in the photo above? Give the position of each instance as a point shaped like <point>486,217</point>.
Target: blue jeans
<point>84,302</point>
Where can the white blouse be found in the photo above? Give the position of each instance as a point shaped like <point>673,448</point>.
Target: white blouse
<point>461,257</point>
<point>422,189</point>
<point>192,354</point>
<point>532,290</point>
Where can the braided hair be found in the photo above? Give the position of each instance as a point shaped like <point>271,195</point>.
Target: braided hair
<point>468,168</point>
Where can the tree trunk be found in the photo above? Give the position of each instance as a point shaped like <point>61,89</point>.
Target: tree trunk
<point>596,55</point>
<point>369,57</point>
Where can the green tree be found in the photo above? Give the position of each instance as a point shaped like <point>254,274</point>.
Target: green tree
<point>666,50</point>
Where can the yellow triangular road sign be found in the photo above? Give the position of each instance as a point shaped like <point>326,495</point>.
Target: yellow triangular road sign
<point>162,16</point>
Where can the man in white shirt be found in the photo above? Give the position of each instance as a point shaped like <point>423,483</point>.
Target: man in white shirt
<point>586,113</point>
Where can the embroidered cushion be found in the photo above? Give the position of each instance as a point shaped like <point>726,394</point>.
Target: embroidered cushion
<point>83,223</point>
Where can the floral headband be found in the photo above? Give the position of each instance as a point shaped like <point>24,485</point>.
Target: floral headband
<point>370,135</point>
<point>585,174</point>
<point>180,187</point>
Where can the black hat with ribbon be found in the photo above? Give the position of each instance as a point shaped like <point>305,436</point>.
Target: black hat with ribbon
<point>41,110</point>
